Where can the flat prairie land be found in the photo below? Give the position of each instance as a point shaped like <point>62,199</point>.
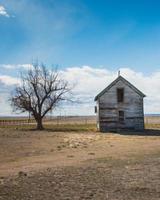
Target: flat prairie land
<point>79,164</point>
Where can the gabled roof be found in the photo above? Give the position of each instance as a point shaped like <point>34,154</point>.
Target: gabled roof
<point>125,82</point>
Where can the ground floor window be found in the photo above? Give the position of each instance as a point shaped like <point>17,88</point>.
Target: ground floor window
<point>121,116</point>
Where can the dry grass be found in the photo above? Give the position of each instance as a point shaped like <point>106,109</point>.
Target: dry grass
<point>78,164</point>
<point>152,126</point>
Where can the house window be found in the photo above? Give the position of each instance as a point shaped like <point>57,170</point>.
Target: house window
<point>95,109</point>
<point>120,95</point>
<point>121,116</point>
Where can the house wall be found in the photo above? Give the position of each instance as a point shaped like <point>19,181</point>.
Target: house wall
<point>108,108</point>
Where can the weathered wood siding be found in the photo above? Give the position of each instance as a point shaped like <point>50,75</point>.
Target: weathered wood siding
<point>108,109</point>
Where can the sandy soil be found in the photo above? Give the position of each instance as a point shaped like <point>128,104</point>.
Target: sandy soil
<point>87,165</point>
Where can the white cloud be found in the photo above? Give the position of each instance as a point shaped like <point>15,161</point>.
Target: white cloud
<point>90,81</point>
<point>6,110</point>
<point>9,80</point>
<point>18,66</point>
<point>3,11</point>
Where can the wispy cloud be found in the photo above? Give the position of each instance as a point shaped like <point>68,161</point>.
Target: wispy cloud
<point>54,22</point>
<point>3,12</point>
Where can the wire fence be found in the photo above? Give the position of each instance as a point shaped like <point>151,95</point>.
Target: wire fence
<point>58,120</point>
<point>152,119</point>
<point>18,122</point>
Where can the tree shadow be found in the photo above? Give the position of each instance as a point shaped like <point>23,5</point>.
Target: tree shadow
<point>146,132</point>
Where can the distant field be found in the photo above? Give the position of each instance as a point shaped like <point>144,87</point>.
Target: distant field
<point>152,122</point>
<point>57,119</point>
<point>152,119</point>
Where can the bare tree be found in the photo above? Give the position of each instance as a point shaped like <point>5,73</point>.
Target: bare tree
<point>40,91</point>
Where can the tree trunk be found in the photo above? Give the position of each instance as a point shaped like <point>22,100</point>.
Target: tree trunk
<point>39,124</point>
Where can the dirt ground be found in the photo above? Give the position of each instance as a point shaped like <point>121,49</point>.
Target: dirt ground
<point>79,165</point>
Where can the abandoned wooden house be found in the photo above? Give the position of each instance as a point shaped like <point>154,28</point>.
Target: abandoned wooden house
<point>120,106</point>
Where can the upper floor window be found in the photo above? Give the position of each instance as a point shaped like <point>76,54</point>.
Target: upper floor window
<point>120,95</point>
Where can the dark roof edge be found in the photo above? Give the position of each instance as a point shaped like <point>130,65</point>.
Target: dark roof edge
<point>114,82</point>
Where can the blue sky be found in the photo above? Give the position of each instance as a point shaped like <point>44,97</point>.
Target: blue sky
<point>85,38</point>
<point>102,33</point>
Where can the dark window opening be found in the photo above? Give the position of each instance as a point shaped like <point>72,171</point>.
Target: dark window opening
<point>95,109</point>
<point>120,95</point>
<point>121,116</point>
